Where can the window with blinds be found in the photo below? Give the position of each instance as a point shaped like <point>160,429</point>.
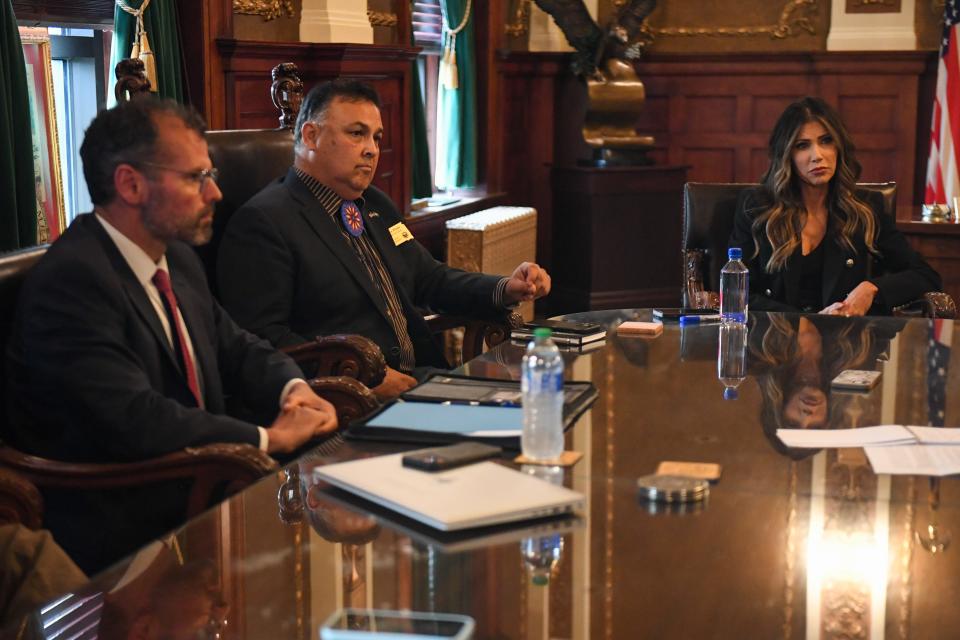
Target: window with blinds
<point>88,12</point>
<point>427,25</point>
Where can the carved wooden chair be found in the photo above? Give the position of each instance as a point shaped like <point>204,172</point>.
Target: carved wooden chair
<point>708,212</point>
<point>248,160</point>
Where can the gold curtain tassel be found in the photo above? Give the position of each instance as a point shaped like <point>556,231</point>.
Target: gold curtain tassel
<point>149,62</point>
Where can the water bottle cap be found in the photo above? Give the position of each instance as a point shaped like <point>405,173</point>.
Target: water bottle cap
<point>730,394</point>
<point>542,332</point>
<point>734,253</point>
<point>539,579</point>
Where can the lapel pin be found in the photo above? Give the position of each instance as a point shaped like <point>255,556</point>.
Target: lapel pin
<point>849,262</point>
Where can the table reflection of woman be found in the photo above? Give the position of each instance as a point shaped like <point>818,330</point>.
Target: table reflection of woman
<point>812,240</point>
<point>794,358</point>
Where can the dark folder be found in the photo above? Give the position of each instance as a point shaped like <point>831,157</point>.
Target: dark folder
<point>449,408</point>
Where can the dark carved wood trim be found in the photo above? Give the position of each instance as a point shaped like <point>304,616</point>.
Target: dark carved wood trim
<point>20,501</point>
<point>349,355</point>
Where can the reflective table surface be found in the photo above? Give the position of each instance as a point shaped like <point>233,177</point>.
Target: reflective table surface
<point>788,543</point>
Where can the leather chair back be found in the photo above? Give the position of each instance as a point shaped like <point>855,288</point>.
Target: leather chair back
<point>708,212</point>
<point>248,160</point>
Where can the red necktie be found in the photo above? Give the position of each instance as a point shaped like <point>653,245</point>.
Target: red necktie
<point>162,282</point>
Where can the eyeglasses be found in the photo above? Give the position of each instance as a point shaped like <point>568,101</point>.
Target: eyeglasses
<point>200,176</point>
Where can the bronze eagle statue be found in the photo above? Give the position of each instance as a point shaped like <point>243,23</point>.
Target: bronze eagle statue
<point>593,44</point>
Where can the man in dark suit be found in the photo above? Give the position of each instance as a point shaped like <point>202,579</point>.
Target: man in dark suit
<point>321,251</point>
<point>119,352</point>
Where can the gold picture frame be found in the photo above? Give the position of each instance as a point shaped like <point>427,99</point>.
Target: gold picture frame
<point>51,214</point>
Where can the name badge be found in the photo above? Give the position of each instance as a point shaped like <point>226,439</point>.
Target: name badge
<point>400,234</point>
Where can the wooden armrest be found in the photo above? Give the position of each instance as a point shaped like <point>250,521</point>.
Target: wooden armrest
<point>351,399</point>
<point>933,304</point>
<point>341,355</point>
<point>490,330</point>
<point>229,466</point>
<point>20,501</point>
<point>694,295</point>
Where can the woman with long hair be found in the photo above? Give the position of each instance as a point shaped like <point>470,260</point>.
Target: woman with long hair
<point>812,240</point>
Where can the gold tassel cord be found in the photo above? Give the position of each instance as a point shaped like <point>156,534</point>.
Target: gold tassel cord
<point>141,44</point>
<point>449,75</point>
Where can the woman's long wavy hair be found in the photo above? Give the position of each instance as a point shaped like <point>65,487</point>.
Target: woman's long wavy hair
<point>783,214</point>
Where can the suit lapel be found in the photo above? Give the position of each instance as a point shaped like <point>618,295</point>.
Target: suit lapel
<point>833,268</point>
<point>325,227</point>
<point>135,292</point>
<point>791,278</point>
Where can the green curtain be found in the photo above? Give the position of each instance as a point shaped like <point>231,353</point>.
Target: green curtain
<point>18,196</point>
<point>457,109</point>
<point>160,20</point>
<point>419,146</point>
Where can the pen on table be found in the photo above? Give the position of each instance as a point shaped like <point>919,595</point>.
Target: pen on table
<point>685,320</point>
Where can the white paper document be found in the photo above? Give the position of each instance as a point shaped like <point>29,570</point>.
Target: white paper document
<point>916,459</point>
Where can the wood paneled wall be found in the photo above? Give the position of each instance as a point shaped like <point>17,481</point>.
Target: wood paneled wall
<point>715,113</point>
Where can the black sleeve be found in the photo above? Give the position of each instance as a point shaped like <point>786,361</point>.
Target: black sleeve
<point>256,273</point>
<point>904,275</point>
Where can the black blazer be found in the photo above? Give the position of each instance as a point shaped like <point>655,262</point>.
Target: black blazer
<point>92,378</point>
<point>899,273</point>
<point>285,272</point>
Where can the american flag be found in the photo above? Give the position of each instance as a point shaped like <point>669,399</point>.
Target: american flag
<point>938,356</point>
<point>943,176</point>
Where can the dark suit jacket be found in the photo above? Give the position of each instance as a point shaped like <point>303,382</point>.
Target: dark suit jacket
<point>899,273</point>
<point>92,378</point>
<point>286,273</point>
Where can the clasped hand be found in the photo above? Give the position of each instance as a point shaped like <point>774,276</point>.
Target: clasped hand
<point>304,415</point>
<point>528,282</point>
<point>857,302</point>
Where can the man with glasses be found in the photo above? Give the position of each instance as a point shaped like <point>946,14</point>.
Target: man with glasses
<point>120,353</point>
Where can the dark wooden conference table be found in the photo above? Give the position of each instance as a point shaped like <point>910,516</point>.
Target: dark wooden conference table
<point>788,544</point>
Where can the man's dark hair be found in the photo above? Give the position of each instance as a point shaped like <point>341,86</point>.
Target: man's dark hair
<point>125,134</point>
<point>322,95</point>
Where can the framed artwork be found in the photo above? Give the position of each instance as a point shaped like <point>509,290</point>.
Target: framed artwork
<point>51,217</point>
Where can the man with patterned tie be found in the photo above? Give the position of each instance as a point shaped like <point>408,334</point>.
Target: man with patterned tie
<point>120,353</point>
<point>322,251</point>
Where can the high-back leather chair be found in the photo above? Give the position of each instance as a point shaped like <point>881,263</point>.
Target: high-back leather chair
<point>708,212</point>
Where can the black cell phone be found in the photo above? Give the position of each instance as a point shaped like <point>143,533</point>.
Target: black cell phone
<point>580,328</point>
<point>450,456</point>
<point>674,313</point>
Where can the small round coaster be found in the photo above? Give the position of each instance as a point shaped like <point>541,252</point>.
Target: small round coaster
<point>672,489</point>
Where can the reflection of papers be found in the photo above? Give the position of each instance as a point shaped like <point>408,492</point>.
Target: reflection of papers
<point>915,459</point>
<point>882,435</point>
<point>889,434</point>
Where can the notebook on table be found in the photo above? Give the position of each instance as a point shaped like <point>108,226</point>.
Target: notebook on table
<point>477,495</point>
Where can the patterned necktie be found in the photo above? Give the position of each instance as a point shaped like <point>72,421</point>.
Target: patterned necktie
<point>162,281</point>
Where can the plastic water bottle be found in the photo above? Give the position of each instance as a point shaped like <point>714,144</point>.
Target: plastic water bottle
<point>542,554</point>
<point>542,387</point>
<point>734,288</point>
<point>732,358</point>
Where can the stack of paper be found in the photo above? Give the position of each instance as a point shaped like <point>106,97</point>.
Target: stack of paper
<point>892,448</point>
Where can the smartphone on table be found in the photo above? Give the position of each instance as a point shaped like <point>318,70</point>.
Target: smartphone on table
<point>363,624</point>
<point>450,456</point>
